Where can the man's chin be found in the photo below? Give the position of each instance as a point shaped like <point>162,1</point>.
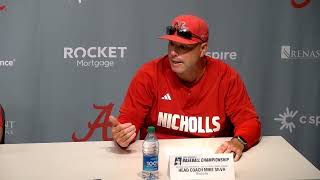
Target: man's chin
<point>177,70</point>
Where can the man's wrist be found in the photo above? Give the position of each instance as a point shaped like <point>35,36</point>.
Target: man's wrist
<point>242,141</point>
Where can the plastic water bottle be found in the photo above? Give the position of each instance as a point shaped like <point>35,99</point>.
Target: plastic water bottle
<point>150,150</point>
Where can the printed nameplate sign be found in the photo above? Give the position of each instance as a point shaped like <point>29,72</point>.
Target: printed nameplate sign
<point>211,166</point>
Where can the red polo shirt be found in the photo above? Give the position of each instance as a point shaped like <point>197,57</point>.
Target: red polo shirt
<point>217,105</point>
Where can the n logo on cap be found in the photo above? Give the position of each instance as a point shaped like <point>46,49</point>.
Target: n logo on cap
<point>180,25</point>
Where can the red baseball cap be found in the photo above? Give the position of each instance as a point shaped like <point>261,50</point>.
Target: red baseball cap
<point>197,26</point>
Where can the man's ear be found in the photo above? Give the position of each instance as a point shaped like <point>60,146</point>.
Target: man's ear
<point>203,49</point>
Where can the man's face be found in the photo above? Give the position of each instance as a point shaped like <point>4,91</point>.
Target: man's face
<point>185,58</point>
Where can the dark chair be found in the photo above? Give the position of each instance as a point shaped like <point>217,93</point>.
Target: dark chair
<point>2,120</point>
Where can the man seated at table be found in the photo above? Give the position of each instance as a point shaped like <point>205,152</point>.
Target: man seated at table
<point>187,94</point>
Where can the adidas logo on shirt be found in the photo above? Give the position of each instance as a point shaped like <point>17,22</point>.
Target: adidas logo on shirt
<point>166,97</point>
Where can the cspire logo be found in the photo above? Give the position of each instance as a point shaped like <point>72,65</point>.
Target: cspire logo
<point>289,118</point>
<point>223,55</point>
<point>294,54</point>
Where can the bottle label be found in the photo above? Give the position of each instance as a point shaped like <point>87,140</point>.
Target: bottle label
<point>150,163</point>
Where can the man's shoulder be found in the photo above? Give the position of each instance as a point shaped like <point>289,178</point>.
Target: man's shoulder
<point>219,66</point>
<point>153,64</point>
<point>152,67</point>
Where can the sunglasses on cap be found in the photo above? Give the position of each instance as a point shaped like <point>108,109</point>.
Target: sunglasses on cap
<point>170,30</point>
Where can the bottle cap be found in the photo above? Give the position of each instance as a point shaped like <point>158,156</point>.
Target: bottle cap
<point>151,129</point>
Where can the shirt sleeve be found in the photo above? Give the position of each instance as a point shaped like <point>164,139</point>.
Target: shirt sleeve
<point>138,100</point>
<point>241,111</point>
<point>1,117</point>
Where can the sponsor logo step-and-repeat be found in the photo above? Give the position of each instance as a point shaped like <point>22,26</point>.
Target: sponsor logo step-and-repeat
<point>101,121</point>
<point>10,127</point>
<point>224,55</point>
<point>290,118</point>
<point>292,54</point>
<point>94,57</point>
<point>7,62</point>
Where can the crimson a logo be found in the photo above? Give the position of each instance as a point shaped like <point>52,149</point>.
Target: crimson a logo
<point>2,7</point>
<point>100,122</point>
<point>297,4</point>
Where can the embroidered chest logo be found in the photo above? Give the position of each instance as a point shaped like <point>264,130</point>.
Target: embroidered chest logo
<point>193,124</point>
<point>166,97</point>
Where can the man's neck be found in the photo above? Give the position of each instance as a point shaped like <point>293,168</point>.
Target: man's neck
<point>191,78</point>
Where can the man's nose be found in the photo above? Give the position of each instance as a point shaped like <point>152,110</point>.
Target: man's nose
<point>173,51</point>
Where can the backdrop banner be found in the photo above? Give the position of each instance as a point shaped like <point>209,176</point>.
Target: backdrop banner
<point>65,65</point>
